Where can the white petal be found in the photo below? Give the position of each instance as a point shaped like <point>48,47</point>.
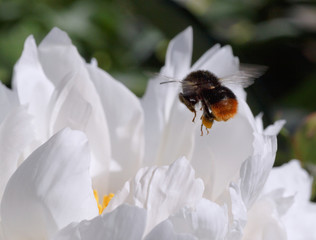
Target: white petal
<point>16,132</point>
<point>58,56</point>
<point>153,104</point>
<point>161,190</point>
<point>264,222</point>
<point>125,120</point>
<point>8,100</point>
<point>179,54</point>
<point>207,220</point>
<point>259,123</point>
<point>32,86</point>
<point>125,222</point>
<point>282,201</point>
<point>293,179</point>
<point>160,102</point>
<point>165,230</point>
<point>218,156</point>
<point>238,212</point>
<point>275,128</point>
<point>1,232</point>
<point>299,220</point>
<point>221,61</point>
<point>50,189</point>
<point>66,69</point>
<point>69,109</point>
<point>202,62</point>
<point>177,65</point>
<point>177,138</point>
<point>169,131</point>
<point>255,170</point>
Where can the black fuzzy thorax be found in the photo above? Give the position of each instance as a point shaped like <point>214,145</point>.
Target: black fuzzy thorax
<point>204,85</point>
<point>197,81</point>
<point>218,94</point>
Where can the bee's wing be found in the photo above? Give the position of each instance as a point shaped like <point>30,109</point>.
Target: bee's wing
<point>189,87</point>
<point>245,76</point>
<point>167,79</point>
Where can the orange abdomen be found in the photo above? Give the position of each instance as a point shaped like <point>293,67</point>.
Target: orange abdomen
<point>225,109</point>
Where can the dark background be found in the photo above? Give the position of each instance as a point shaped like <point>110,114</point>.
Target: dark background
<point>129,38</point>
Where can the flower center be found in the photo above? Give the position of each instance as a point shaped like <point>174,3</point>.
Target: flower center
<point>105,202</point>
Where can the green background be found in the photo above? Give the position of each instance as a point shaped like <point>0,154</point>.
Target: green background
<point>129,39</point>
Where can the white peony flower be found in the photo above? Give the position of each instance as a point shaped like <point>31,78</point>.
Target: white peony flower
<point>59,89</point>
<point>178,185</point>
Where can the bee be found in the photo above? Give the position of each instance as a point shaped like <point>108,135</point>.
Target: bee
<point>217,100</point>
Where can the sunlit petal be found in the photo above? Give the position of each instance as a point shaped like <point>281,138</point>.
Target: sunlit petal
<point>61,63</point>
<point>177,139</point>
<point>207,220</point>
<point>125,222</point>
<point>8,100</point>
<point>255,170</point>
<point>218,156</point>
<point>238,213</point>
<point>125,120</point>
<point>33,87</point>
<point>221,62</point>
<point>264,222</point>
<point>16,133</point>
<point>292,178</point>
<point>203,62</point>
<point>299,220</point>
<point>179,54</point>
<point>51,189</point>
<point>161,103</point>
<point>161,190</point>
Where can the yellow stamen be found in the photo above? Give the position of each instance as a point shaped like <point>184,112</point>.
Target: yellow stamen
<point>105,202</point>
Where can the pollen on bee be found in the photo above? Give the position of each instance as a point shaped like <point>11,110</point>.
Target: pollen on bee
<point>206,122</point>
<point>225,109</point>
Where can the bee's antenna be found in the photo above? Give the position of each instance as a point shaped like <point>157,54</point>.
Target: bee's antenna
<point>169,82</point>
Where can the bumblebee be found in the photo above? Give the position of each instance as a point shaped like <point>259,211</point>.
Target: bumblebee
<point>218,102</point>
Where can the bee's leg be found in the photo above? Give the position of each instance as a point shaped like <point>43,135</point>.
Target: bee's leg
<point>202,129</point>
<point>193,119</point>
<point>189,103</point>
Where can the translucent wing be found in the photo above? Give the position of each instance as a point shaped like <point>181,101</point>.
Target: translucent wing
<point>245,76</point>
<point>167,79</point>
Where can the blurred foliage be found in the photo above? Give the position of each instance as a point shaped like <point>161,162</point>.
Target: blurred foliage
<point>129,38</point>
<point>304,143</point>
<point>305,140</point>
